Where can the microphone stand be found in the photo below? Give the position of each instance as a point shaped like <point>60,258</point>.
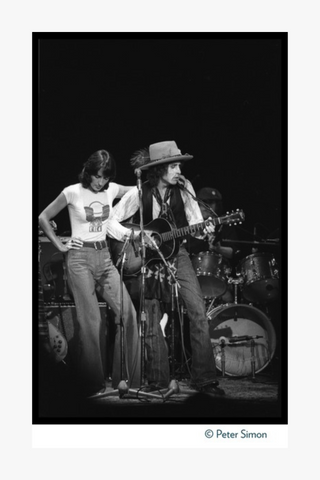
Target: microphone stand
<point>124,390</point>
<point>143,316</point>
<point>174,296</point>
<point>205,205</point>
<point>122,384</point>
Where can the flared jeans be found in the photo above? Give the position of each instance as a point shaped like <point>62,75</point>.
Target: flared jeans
<point>90,271</point>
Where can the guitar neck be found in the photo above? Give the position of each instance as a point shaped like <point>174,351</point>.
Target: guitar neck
<point>183,231</point>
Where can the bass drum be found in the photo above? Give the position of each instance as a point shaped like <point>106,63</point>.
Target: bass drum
<point>237,320</point>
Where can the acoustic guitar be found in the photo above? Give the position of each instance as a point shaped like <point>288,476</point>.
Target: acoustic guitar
<point>166,238</point>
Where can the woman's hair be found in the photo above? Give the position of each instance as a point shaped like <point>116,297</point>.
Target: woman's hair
<point>100,159</point>
<point>154,173</point>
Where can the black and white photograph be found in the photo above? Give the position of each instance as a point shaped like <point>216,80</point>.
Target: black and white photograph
<point>160,228</point>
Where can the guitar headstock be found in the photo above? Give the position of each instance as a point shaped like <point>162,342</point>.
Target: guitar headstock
<point>233,218</point>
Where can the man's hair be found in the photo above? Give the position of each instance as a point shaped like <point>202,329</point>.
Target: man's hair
<point>100,159</point>
<point>155,173</point>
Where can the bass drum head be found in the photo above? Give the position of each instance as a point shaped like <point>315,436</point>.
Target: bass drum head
<point>239,320</point>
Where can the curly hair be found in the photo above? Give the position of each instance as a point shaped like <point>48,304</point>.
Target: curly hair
<point>100,159</point>
<point>154,173</point>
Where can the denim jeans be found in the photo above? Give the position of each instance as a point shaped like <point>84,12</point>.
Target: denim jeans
<point>203,370</point>
<point>91,270</point>
<point>157,362</point>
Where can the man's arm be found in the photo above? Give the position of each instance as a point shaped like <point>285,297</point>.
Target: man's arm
<point>124,209</point>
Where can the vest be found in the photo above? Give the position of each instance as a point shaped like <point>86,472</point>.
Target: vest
<point>176,205</point>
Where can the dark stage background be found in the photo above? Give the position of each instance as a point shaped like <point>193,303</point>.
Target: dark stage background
<point>222,98</point>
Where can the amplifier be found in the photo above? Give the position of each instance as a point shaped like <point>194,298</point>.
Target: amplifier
<point>53,273</point>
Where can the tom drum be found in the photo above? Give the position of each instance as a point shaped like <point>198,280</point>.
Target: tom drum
<point>260,277</point>
<point>212,271</point>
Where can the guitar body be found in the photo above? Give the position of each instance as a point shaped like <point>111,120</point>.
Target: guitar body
<point>58,343</point>
<point>154,229</point>
<point>52,344</point>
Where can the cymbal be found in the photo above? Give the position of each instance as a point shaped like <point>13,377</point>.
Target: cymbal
<point>251,243</point>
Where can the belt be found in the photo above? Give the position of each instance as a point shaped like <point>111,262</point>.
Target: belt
<point>98,245</point>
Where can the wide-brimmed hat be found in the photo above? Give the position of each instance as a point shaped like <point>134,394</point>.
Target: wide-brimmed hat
<point>159,153</point>
<point>208,194</point>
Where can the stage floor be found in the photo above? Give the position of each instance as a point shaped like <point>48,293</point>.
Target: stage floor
<point>246,400</point>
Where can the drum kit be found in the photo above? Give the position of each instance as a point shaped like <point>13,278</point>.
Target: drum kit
<point>242,335</point>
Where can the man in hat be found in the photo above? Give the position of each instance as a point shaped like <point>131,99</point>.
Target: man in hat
<point>165,195</point>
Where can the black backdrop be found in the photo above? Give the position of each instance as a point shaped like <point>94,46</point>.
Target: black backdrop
<point>221,97</point>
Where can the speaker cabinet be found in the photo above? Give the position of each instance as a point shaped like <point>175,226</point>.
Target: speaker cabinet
<point>64,317</point>
<point>53,273</point>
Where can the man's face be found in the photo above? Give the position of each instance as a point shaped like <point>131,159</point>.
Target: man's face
<point>172,175</point>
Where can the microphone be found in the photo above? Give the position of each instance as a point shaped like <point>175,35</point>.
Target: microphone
<point>138,173</point>
<point>181,182</point>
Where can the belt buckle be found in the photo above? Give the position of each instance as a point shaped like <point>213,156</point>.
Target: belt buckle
<point>95,245</point>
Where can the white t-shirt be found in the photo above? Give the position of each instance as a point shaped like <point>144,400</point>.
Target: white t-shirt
<point>89,211</point>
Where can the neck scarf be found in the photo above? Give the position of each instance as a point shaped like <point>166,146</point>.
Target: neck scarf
<point>165,209</point>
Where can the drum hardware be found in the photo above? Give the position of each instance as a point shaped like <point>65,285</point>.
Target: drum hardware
<point>243,339</point>
<point>252,243</point>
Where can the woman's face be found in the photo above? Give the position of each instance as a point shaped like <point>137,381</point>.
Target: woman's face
<point>98,181</point>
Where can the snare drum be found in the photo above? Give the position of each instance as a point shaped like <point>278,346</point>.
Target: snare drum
<point>212,271</point>
<point>237,320</point>
<point>260,277</point>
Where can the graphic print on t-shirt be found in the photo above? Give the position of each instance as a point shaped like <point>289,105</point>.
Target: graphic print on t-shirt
<point>96,213</point>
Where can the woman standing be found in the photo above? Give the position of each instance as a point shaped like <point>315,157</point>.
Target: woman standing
<point>90,270</point>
